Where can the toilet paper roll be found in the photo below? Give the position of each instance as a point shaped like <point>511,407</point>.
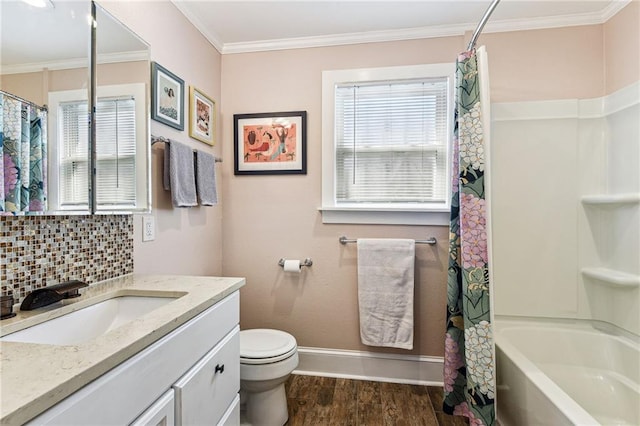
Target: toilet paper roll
<point>292,265</point>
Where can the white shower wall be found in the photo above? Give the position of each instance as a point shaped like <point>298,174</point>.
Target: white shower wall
<point>546,156</point>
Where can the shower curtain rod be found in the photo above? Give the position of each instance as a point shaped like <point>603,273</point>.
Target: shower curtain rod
<point>481,24</point>
<point>18,98</point>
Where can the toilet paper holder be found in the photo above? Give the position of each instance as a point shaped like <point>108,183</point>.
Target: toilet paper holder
<point>306,262</point>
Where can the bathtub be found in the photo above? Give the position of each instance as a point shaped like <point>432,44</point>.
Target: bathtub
<point>566,372</point>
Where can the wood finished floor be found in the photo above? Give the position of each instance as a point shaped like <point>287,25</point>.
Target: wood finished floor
<point>325,401</point>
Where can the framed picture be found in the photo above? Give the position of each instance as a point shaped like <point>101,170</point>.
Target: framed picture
<point>201,116</point>
<point>167,97</point>
<point>270,143</point>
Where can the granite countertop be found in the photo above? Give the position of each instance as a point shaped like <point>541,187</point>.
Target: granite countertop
<point>34,377</point>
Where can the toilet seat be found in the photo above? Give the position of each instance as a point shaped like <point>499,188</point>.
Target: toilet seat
<point>265,346</point>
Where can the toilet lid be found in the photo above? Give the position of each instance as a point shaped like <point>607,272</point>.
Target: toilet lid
<point>261,345</point>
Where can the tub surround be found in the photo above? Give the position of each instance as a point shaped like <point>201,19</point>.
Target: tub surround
<point>35,377</point>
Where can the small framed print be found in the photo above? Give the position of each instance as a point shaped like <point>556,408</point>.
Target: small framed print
<point>270,143</point>
<point>167,99</point>
<point>202,112</point>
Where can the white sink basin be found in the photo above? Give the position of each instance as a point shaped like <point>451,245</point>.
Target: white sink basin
<point>88,323</point>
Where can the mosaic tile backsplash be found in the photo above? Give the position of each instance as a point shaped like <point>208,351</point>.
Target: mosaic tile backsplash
<point>37,251</point>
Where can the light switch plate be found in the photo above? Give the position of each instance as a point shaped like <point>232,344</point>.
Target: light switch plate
<point>148,228</point>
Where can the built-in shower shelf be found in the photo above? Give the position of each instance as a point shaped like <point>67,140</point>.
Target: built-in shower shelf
<point>612,277</point>
<point>611,200</point>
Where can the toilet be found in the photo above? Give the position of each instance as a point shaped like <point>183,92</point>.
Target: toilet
<point>267,358</point>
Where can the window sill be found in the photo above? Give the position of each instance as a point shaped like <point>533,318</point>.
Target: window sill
<point>381,216</point>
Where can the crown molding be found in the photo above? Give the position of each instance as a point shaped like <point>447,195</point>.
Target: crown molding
<point>65,64</point>
<point>403,34</point>
<point>350,38</point>
<point>210,35</point>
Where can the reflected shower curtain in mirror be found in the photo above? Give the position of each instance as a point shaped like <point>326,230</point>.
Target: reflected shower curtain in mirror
<point>469,367</point>
<point>24,151</point>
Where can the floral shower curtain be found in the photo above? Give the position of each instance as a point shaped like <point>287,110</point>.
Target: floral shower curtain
<point>469,367</point>
<point>23,150</point>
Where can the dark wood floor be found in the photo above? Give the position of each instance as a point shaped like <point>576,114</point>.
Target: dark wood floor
<point>320,401</point>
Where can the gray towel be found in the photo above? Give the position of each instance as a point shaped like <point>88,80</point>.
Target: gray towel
<point>206,178</point>
<point>179,174</point>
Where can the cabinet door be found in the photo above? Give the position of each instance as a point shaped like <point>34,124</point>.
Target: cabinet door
<point>161,413</point>
<point>205,392</point>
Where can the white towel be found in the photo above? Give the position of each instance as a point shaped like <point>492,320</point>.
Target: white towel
<point>179,174</point>
<point>385,292</point>
<point>206,178</point>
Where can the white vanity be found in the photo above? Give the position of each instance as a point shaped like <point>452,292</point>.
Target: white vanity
<point>177,364</point>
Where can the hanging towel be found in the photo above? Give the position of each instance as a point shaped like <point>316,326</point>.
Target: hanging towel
<point>385,292</point>
<point>206,178</point>
<point>179,174</point>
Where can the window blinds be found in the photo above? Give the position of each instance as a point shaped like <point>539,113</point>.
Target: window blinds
<point>391,141</point>
<point>115,152</point>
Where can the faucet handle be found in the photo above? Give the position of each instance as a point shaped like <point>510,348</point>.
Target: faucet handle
<point>69,289</point>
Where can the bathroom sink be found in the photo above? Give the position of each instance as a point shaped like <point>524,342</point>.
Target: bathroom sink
<point>88,323</point>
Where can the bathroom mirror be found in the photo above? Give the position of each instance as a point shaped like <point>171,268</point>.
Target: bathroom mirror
<point>45,79</point>
<point>123,149</point>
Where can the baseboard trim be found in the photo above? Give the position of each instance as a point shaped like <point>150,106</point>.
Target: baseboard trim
<point>361,365</point>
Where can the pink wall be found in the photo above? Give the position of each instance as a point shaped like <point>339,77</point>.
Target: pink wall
<point>269,217</point>
<point>557,63</point>
<point>188,241</point>
<point>621,47</point>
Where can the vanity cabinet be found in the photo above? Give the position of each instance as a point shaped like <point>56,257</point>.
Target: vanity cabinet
<point>161,413</point>
<point>189,377</point>
<point>206,390</point>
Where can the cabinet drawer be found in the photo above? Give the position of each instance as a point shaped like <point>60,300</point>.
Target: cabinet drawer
<point>205,392</point>
<point>232,416</point>
<point>161,413</point>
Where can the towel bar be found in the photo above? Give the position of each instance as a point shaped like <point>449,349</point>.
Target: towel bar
<point>156,139</point>
<point>431,241</point>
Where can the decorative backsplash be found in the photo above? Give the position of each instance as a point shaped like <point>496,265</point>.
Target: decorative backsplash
<point>37,251</point>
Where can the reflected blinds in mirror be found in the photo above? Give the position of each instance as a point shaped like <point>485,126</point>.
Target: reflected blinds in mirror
<point>115,166</point>
<point>116,152</point>
<point>74,168</point>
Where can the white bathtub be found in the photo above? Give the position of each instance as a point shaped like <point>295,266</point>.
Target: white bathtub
<point>566,372</point>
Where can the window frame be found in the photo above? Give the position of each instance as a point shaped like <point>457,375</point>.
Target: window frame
<point>375,213</point>
<point>135,90</point>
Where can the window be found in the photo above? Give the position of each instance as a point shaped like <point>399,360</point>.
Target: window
<point>119,131</point>
<point>386,139</point>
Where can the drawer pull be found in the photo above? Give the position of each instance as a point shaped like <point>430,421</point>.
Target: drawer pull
<point>219,369</point>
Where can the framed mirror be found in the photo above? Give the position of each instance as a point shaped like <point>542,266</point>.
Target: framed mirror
<point>45,83</point>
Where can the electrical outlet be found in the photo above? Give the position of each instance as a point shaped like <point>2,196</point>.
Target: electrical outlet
<point>148,228</point>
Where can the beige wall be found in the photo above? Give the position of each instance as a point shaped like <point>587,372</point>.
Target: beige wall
<point>621,47</point>
<point>35,86</point>
<point>269,217</point>
<point>188,241</point>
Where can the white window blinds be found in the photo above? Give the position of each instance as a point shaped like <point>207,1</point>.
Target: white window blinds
<point>115,153</point>
<point>74,155</point>
<point>391,141</point>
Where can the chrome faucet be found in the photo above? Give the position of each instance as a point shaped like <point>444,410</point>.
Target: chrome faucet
<point>51,294</point>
